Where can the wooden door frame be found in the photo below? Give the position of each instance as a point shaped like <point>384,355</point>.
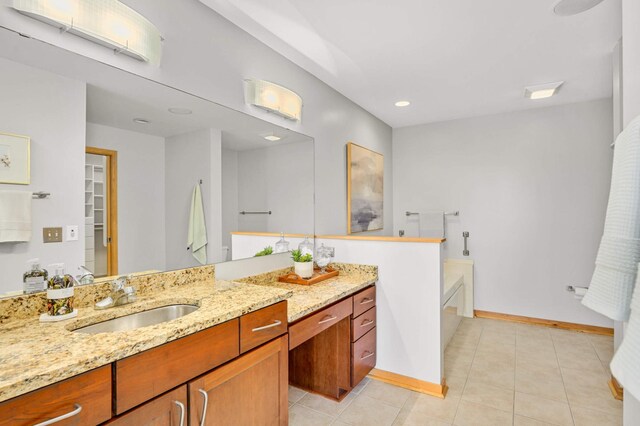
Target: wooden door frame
<point>112,206</point>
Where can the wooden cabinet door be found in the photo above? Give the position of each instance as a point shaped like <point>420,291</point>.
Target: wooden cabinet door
<point>169,409</point>
<point>80,400</point>
<point>251,390</point>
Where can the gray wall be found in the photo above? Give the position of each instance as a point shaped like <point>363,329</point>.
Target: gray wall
<point>230,210</point>
<point>206,55</point>
<point>532,191</point>
<point>188,158</point>
<point>278,178</point>
<point>141,198</point>
<point>51,110</point>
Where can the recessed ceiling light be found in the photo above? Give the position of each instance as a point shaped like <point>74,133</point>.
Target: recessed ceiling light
<point>180,111</point>
<point>272,138</point>
<point>542,91</point>
<point>140,121</point>
<point>402,103</point>
<point>573,7</point>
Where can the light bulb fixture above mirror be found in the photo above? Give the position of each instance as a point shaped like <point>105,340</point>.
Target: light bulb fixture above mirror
<point>108,23</point>
<point>273,98</point>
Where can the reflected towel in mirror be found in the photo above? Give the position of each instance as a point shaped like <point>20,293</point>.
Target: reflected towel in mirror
<point>15,216</point>
<point>197,235</point>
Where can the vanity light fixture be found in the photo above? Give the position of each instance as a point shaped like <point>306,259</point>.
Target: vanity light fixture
<point>141,121</point>
<point>402,103</point>
<point>573,7</point>
<point>273,98</point>
<point>180,111</point>
<point>109,23</point>
<point>272,138</point>
<point>542,91</point>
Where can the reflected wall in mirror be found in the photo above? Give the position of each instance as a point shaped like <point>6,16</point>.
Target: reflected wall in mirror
<point>121,157</point>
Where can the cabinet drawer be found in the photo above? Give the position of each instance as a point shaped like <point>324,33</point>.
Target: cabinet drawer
<point>261,326</point>
<point>364,300</point>
<point>165,410</point>
<point>88,393</point>
<point>318,322</point>
<point>362,324</point>
<point>363,357</point>
<point>148,374</point>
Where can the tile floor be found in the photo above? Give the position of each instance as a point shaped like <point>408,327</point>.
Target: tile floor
<point>499,373</point>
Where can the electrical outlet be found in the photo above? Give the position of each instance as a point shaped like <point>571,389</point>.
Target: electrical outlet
<point>52,235</point>
<point>72,233</point>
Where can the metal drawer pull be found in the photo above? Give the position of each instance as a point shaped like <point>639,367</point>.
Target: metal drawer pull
<point>327,319</point>
<point>366,322</point>
<point>181,407</point>
<point>367,356</point>
<point>366,300</point>
<point>205,395</point>
<point>264,327</point>
<point>75,412</point>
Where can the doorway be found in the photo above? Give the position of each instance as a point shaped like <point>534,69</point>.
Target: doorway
<point>101,211</point>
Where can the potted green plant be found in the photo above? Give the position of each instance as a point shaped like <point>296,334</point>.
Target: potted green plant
<point>302,263</point>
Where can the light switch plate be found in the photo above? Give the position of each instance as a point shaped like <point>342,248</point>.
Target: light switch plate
<point>72,232</point>
<point>52,235</point>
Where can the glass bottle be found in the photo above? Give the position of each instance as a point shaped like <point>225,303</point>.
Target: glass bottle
<point>59,291</point>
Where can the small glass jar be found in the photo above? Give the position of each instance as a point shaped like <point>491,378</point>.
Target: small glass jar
<point>306,246</point>
<point>282,246</point>
<point>324,256</point>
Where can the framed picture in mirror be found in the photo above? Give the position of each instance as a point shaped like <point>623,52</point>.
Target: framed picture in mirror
<point>15,159</point>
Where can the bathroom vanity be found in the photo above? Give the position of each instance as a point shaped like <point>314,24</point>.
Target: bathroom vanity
<point>227,363</point>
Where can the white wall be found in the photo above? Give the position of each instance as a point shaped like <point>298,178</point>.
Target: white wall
<point>141,198</point>
<point>51,110</point>
<point>206,55</point>
<point>190,157</point>
<point>278,178</point>
<point>532,190</point>
<point>229,197</point>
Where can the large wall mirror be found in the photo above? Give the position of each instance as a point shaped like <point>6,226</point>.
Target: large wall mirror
<point>127,161</point>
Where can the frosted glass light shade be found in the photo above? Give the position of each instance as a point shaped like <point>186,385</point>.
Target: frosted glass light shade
<point>106,22</point>
<point>273,98</point>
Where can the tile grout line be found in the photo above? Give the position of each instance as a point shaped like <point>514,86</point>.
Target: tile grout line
<point>475,351</point>
<point>564,386</point>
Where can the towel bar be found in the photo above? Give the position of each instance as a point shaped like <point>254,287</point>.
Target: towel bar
<point>454,213</point>
<point>40,195</point>
<point>245,212</point>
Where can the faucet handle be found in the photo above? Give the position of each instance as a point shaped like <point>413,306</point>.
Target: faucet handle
<point>119,283</point>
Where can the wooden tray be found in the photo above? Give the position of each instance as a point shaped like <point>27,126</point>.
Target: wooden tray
<point>317,276</point>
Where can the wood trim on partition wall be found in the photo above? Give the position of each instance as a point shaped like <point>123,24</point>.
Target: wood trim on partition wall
<point>382,238</point>
<point>112,206</point>
<point>271,234</point>
<point>433,389</point>
<point>616,389</point>
<point>584,328</point>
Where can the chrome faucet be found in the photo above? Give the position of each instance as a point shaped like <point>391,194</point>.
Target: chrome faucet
<point>121,294</point>
<point>85,276</point>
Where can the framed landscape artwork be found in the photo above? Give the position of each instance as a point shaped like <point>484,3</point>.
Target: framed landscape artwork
<point>365,197</point>
<point>15,159</point>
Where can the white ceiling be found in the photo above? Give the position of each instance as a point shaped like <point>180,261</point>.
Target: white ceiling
<point>450,58</point>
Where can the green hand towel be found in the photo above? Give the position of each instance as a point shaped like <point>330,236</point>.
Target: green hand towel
<point>197,238</point>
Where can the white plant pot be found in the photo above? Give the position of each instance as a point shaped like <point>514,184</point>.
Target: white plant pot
<point>304,269</point>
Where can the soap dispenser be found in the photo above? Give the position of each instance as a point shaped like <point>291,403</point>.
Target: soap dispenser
<point>59,295</point>
<point>35,278</point>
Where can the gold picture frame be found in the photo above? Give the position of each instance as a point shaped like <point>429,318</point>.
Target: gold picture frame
<point>365,189</point>
<point>15,159</point>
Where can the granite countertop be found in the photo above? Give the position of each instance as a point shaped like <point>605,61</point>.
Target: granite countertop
<point>308,299</point>
<point>33,354</point>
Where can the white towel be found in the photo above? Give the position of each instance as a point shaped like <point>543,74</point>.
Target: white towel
<point>15,216</point>
<point>432,224</point>
<point>197,236</point>
<point>616,264</point>
<point>625,366</point>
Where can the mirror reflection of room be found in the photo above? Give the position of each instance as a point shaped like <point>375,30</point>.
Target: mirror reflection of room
<point>136,164</point>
